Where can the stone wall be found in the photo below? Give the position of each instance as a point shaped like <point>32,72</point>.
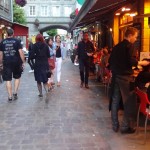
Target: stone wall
<point>6,9</point>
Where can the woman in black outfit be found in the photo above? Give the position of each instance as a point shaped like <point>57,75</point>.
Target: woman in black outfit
<point>41,54</point>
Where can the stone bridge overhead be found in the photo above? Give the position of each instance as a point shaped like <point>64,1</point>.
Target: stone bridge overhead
<point>41,25</point>
<point>43,15</point>
<point>45,27</point>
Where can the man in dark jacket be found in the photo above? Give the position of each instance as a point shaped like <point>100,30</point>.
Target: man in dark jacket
<point>121,62</point>
<point>84,54</point>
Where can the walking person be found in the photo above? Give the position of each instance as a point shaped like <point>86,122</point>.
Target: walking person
<point>121,62</point>
<point>30,61</point>
<point>41,54</point>
<point>51,62</point>
<point>59,53</point>
<point>12,60</point>
<point>85,52</point>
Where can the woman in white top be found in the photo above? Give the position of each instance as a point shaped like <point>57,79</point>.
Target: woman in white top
<point>59,56</point>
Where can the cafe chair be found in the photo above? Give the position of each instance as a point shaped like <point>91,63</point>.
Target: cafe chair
<point>144,108</point>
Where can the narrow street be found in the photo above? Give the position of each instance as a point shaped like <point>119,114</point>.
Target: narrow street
<point>69,118</point>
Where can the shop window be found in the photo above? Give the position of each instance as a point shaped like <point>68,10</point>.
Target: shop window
<point>44,11</point>
<point>56,11</point>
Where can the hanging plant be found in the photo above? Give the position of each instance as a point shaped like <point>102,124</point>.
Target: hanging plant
<point>21,3</point>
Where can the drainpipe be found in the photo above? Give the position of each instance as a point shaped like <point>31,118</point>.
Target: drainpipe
<point>11,8</point>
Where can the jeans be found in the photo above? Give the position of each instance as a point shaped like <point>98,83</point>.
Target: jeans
<point>84,66</point>
<point>122,91</point>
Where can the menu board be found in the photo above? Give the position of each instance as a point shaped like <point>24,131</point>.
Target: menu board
<point>144,55</point>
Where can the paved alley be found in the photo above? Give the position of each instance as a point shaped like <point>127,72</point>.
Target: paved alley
<point>68,118</point>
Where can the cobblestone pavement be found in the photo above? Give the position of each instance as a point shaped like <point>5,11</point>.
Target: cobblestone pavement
<point>69,118</point>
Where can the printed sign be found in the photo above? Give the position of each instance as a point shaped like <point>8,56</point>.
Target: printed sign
<point>144,55</point>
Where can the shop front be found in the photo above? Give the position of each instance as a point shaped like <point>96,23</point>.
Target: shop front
<point>108,20</point>
<point>123,18</point>
<point>136,15</point>
<point>96,17</point>
<point>21,32</point>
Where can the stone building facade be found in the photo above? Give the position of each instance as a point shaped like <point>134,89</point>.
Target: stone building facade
<point>6,17</point>
<point>47,14</point>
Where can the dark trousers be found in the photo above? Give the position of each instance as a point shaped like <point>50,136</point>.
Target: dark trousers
<point>122,91</point>
<point>84,66</point>
<point>31,63</point>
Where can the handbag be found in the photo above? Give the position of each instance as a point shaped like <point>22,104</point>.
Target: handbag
<point>51,63</point>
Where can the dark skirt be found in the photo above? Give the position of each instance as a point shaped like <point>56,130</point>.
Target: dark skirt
<point>40,72</point>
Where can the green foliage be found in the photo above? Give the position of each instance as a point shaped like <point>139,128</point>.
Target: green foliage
<point>18,14</point>
<point>52,32</point>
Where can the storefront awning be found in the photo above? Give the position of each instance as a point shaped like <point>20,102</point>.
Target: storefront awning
<point>92,11</point>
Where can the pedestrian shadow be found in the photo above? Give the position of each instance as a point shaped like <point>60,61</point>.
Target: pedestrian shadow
<point>46,98</point>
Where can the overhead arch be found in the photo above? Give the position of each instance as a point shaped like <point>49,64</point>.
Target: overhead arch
<point>53,27</point>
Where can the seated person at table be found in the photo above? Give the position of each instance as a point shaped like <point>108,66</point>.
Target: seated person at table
<point>143,79</point>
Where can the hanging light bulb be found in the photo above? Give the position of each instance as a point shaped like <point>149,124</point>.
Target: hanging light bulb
<point>123,9</point>
<point>117,14</point>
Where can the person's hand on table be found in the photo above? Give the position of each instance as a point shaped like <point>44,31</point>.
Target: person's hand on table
<point>144,63</point>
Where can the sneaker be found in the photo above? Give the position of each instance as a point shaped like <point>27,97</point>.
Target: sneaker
<point>76,64</point>
<point>40,95</point>
<point>128,131</point>
<point>31,71</point>
<point>10,99</point>
<point>15,96</point>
